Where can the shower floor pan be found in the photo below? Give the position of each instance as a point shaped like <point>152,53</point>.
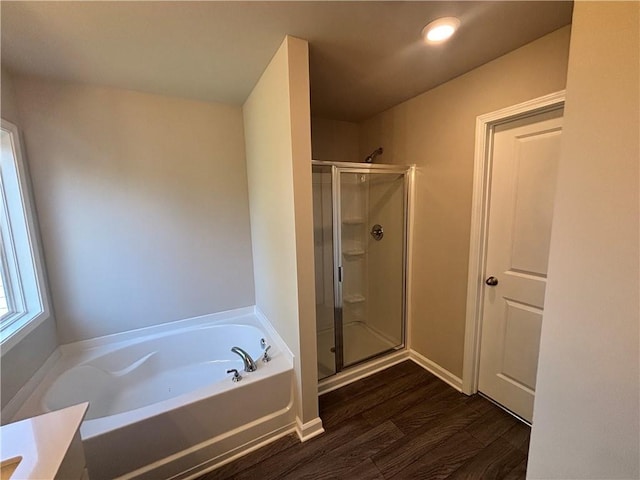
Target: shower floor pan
<point>360,342</point>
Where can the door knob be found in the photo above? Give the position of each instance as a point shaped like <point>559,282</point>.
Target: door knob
<point>491,281</point>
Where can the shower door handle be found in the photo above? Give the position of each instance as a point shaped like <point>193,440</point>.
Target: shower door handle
<point>340,273</point>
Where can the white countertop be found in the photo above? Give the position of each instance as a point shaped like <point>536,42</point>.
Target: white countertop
<point>41,441</point>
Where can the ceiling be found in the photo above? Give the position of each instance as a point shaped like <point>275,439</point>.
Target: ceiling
<point>364,56</point>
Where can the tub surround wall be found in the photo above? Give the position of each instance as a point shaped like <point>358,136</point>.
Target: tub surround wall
<point>278,149</point>
<point>586,417</point>
<point>33,350</point>
<point>436,132</point>
<point>29,355</point>
<point>143,205</point>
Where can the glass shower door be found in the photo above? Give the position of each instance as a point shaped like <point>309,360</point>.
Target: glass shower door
<point>324,269</point>
<point>370,279</point>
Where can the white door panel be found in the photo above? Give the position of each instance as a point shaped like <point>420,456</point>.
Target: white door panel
<point>537,162</point>
<point>528,289</point>
<point>523,174</point>
<point>521,343</point>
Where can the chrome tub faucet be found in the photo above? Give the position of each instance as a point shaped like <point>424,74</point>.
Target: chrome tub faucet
<point>249,364</point>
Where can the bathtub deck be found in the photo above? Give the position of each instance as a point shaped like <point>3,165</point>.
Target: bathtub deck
<point>401,423</point>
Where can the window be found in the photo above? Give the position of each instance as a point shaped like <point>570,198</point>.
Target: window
<point>23,296</point>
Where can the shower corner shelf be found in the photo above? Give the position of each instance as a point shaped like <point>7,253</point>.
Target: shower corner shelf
<point>353,298</point>
<point>353,252</point>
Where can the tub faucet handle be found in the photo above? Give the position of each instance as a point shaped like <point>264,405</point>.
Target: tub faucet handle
<point>265,357</point>
<point>236,375</point>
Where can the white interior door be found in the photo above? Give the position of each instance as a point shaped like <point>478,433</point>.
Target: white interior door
<point>523,176</point>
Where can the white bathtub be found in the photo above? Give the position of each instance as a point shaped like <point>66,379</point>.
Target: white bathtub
<point>160,401</point>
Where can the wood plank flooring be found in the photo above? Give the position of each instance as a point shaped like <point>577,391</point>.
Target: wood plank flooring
<point>401,423</point>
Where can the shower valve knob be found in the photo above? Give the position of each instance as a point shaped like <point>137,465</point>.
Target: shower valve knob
<point>377,232</point>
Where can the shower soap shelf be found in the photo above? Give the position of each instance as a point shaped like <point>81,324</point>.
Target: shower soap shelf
<point>354,252</point>
<point>353,221</point>
<point>353,298</point>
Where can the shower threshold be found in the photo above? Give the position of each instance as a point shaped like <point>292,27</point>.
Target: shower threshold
<point>361,342</point>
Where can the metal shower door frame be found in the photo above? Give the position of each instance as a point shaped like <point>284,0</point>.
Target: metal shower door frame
<point>336,171</point>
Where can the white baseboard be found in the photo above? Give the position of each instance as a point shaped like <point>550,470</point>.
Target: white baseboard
<point>356,373</point>
<point>10,411</point>
<point>442,373</point>
<point>353,374</point>
<point>306,431</point>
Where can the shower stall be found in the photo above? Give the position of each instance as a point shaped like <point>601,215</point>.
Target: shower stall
<point>360,236</point>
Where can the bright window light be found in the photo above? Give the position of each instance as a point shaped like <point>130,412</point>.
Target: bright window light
<point>23,297</point>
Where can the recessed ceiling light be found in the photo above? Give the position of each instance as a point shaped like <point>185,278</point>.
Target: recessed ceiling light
<point>440,30</point>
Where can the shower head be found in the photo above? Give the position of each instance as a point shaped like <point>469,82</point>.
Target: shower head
<point>373,155</point>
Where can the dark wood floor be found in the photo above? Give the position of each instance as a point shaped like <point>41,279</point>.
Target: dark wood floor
<point>401,423</point>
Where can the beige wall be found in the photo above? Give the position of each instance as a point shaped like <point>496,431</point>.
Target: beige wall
<point>300,108</point>
<point>436,131</point>
<point>32,351</point>
<point>586,421</point>
<point>335,140</point>
<point>278,148</point>
<point>142,202</point>
<point>8,98</point>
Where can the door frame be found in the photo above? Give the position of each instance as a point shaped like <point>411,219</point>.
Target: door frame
<point>485,125</point>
